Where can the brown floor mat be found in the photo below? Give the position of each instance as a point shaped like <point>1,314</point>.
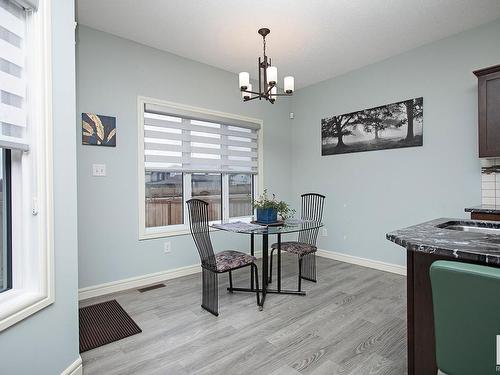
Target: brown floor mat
<point>103,323</point>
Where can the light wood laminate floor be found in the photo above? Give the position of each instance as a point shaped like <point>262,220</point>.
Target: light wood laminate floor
<point>351,322</point>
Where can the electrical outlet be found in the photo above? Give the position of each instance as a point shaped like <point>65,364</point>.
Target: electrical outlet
<point>99,170</point>
<point>324,232</point>
<point>167,247</point>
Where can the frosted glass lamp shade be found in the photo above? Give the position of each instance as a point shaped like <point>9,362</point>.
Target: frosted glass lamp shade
<point>274,91</point>
<point>288,84</point>
<point>272,75</point>
<point>244,80</point>
<point>247,95</point>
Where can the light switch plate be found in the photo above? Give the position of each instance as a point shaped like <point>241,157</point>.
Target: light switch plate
<point>98,170</point>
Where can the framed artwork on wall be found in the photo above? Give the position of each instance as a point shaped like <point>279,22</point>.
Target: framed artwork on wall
<point>98,130</point>
<point>394,125</point>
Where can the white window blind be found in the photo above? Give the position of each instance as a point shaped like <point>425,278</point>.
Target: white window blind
<point>13,113</point>
<point>187,142</point>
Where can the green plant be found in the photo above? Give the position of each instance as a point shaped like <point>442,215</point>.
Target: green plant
<point>264,201</point>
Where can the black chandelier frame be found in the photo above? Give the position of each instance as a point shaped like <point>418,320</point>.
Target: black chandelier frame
<point>264,87</point>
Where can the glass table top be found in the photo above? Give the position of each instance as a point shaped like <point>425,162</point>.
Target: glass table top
<point>289,226</point>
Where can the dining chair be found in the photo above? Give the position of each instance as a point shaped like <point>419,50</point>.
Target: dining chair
<point>305,246</point>
<point>213,264</point>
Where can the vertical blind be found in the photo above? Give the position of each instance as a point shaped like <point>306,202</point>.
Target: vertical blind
<point>190,142</point>
<point>13,113</point>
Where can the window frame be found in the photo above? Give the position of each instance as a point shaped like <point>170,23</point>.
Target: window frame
<point>7,202</point>
<point>183,229</point>
<point>32,186</point>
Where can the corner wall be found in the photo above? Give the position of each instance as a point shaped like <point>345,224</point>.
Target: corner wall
<point>372,193</point>
<point>111,73</point>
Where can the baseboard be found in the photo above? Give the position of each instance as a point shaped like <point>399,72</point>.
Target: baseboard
<point>75,368</point>
<point>136,282</point>
<point>153,278</point>
<point>140,281</point>
<point>378,265</point>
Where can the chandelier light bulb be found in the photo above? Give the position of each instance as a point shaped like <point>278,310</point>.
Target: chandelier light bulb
<point>274,91</point>
<point>247,95</point>
<point>288,84</point>
<point>244,80</point>
<point>272,75</point>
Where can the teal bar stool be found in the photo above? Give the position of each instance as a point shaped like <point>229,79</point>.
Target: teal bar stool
<point>466,299</point>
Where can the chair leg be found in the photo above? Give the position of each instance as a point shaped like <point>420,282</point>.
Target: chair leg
<point>309,267</point>
<point>300,274</point>
<point>210,291</point>
<point>270,279</point>
<point>230,282</point>
<point>254,267</point>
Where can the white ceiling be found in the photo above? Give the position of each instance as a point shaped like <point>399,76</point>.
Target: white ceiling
<point>311,39</point>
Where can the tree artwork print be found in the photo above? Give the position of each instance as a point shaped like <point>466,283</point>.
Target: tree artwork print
<point>393,125</point>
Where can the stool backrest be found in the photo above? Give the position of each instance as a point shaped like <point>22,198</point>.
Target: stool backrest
<point>466,307</point>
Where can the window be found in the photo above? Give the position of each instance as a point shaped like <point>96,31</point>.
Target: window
<point>26,252</point>
<point>240,194</point>
<point>208,187</point>
<point>187,153</point>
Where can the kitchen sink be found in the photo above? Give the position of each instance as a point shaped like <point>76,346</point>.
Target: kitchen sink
<point>473,227</point>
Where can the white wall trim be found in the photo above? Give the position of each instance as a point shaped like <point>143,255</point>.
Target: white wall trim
<point>140,281</point>
<point>153,278</point>
<point>364,262</point>
<point>136,282</point>
<point>76,368</point>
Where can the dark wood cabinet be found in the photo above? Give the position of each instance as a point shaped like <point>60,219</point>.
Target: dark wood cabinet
<point>485,216</point>
<point>489,111</point>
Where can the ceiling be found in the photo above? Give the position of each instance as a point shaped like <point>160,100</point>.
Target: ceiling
<point>311,39</point>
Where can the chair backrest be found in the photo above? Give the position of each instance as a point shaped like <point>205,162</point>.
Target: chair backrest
<point>466,316</point>
<point>312,209</point>
<point>198,223</point>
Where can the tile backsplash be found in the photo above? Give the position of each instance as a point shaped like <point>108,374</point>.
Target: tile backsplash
<point>490,183</point>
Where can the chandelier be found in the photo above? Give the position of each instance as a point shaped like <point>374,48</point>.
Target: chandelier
<point>268,77</point>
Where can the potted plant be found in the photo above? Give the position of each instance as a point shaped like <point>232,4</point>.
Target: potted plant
<point>269,208</point>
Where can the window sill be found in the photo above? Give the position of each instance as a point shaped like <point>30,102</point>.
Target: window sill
<point>148,235</point>
<point>16,305</point>
<point>182,230</point>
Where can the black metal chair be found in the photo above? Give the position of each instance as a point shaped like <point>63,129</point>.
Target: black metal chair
<point>305,246</point>
<point>213,264</point>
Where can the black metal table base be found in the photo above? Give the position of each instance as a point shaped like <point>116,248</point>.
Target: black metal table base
<point>265,280</point>
<point>273,291</point>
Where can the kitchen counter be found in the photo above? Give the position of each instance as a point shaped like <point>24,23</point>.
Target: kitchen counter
<point>426,243</point>
<point>429,238</point>
<point>484,209</point>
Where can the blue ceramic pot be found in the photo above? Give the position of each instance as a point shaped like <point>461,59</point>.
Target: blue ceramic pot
<point>267,215</point>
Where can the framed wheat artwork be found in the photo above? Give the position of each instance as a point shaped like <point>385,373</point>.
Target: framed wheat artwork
<point>98,130</point>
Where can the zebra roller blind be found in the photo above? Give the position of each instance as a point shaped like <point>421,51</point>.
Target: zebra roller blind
<point>185,141</point>
<point>13,112</point>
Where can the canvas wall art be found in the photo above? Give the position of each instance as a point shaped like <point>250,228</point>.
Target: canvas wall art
<point>98,130</point>
<point>393,125</point>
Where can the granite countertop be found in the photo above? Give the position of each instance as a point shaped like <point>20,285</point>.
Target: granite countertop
<point>484,209</point>
<point>429,238</point>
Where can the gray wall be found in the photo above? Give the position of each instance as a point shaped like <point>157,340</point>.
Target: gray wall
<point>371,193</point>
<point>47,342</point>
<point>111,73</point>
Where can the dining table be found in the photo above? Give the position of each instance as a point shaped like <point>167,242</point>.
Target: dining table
<point>265,230</point>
